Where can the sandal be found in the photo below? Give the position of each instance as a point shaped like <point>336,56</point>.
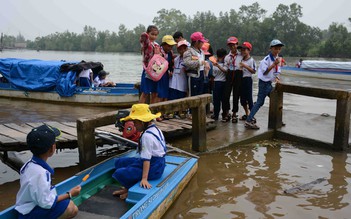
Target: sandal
<point>235,119</point>
<point>225,118</point>
<point>244,117</point>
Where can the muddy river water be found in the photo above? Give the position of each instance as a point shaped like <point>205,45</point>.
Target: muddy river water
<point>240,182</point>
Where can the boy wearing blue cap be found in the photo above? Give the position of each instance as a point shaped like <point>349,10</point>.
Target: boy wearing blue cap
<point>267,72</point>
<point>37,198</point>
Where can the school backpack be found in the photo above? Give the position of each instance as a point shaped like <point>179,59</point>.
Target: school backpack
<point>157,67</point>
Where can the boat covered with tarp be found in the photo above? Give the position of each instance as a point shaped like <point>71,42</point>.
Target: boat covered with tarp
<point>55,81</point>
<point>321,69</point>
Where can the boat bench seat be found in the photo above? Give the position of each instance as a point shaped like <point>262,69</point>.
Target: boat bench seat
<point>136,193</point>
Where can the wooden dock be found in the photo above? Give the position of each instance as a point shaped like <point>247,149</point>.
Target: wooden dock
<point>13,136</point>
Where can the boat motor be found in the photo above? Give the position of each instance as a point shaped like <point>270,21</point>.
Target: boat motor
<point>126,127</point>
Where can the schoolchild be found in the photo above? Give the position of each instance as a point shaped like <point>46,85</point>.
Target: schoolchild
<point>178,36</point>
<point>233,80</point>
<point>152,149</point>
<point>206,48</point>
<point>268,72</point>
<point>100,80</point>
<point>219,74</point>
<point>149,47</point>
<point>163,84</point>
<point>37,197</point>
<point>194,60</point>
<point>248,66</point>
<point>178,86</point>
<point>86,78</point>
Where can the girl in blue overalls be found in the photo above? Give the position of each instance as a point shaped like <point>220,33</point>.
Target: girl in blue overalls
<point>152,148</point>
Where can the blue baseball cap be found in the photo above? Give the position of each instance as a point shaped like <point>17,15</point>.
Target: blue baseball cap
<point>276,42</point>
<point>40,139</point>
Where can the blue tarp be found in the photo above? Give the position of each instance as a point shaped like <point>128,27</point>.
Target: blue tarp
<point>37,75</point>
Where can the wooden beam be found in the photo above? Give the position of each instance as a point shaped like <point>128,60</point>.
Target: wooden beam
<point>313,91</point>
<point>275,117</point>
<point>342,124</point>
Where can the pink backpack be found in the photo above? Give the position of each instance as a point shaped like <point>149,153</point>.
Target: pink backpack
<point>157,67</point>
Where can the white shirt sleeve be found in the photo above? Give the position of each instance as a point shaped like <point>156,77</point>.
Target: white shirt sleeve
<point>41,191</point>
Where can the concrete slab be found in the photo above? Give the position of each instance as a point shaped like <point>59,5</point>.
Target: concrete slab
<point>304,125</point>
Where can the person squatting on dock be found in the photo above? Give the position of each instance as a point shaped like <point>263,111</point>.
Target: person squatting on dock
<point>37,198</point>
<point>152,148</point>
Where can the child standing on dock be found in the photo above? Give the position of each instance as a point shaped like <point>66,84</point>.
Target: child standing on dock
<point>178,82</point>
<point>233,80</point>
<point>268,72</point>
<point>37,198</point>
<point>248,66</point>
<point>152,148</point>
<point>149,47</point>
<point>219,74</point>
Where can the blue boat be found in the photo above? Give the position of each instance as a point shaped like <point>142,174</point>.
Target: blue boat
<point>54,81</point>
<point>321,69</point>
<point>96,200</point>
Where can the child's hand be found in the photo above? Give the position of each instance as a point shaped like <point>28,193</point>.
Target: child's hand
<point>145,184</point>
<point>242,65</point>
<point>194,58</point>
<point>207,66</point>
<point>75,191</point>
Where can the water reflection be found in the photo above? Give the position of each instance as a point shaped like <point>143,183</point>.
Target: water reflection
<point>249,182</point>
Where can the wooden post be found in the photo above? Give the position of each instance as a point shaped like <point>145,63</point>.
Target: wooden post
<point>86,144</point>
<point>199,128</point>
<point>275,118</point>
<point>342,124</point>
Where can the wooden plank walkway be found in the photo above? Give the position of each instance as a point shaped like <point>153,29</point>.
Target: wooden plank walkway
<point>13,136</point>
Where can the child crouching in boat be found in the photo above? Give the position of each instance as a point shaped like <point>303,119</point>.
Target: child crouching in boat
<point>37,198</point>
<point>100,80</point>
<point>152,149</point>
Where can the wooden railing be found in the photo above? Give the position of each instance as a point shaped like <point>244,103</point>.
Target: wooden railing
<point>343,109</point>
<point>86,126</point>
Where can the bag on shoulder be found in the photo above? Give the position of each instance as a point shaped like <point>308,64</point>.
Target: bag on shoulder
<point>192,73</point>
<point>157,67</point>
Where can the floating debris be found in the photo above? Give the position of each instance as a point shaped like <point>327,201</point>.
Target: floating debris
<point>303,187</point>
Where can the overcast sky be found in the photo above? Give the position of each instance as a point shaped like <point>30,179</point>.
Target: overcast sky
<point>34,18</point>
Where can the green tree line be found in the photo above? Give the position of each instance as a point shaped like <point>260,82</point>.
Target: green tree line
<point>249,23</point>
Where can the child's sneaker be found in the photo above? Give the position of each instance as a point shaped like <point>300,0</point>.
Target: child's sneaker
<point>251,125</point>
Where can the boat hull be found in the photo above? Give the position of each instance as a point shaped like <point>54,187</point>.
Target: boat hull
<point>317,73</point>
<point>153,205</point>
<point>123,96</point>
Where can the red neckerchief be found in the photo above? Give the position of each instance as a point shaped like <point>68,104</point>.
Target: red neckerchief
<point>234,58</point>
<point>276,66</point>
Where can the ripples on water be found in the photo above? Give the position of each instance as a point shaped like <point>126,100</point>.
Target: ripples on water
<point>249,182</point>
<point>245,182</point>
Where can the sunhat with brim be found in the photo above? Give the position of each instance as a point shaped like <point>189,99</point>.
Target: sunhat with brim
<point>276,42</point>
<point>41,138</point>
<point>141,112</point>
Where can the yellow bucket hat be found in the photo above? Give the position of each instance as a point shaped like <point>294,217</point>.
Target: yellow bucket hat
<point>141,112</point>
